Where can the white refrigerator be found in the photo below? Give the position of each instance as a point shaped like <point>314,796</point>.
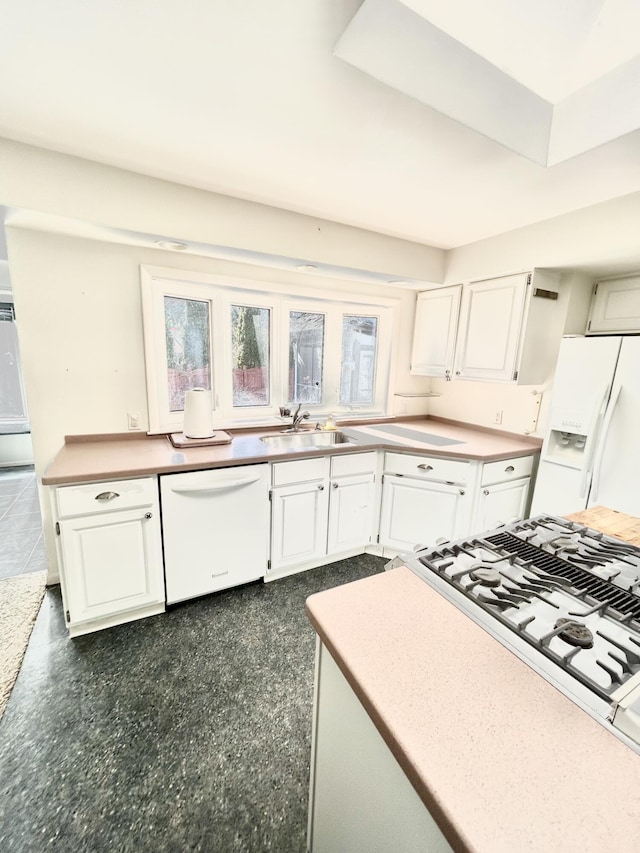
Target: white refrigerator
<point>591,450</point>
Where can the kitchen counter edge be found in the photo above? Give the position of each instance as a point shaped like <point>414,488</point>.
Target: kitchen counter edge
<point>104,457</point>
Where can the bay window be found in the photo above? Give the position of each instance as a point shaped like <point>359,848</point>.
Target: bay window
<point>258,346</point>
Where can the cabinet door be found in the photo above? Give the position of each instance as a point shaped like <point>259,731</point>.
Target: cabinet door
<point>350,513</point>
<point>418,513</point>
<point>434,333</point>
<point>490,325</point>
<point>112,563</point>
<point>501,503</point>
<point>616,306</point>
<point>298,524</point>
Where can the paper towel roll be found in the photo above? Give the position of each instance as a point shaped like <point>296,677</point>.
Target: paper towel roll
<point>198,419</point>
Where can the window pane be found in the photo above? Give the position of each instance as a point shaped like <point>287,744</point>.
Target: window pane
<point>357,378</point>
<point>13,409</point>
<point>250,330</point>
<point>188,359</point>
<point>306,355</point>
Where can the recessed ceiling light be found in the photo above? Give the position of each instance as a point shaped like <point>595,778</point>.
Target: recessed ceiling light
<point>171,244</point>
<point>306,267</point>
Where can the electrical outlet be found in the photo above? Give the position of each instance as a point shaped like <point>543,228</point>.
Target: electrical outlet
<point>133,419</point>
<point>497,419</point>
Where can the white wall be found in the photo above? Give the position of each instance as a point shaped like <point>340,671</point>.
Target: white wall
<point>599,239</point>
<point>81,332</point>
<point>34,179</point>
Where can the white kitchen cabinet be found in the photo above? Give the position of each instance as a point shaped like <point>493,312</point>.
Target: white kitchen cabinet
<point>351,502</point>
<point>423,499</point>
<point>489,331</point>
<point>504,492</point>
<point>501,504</point>
<point>215,529</point>
<point>298,523</point>
<point>321,507</point>
<point>615,306</point>
<point>508,329</point>
<point>111,552</point>
<point>434,334</point>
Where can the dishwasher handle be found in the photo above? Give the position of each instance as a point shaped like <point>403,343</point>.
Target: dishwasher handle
<point>224,486</point>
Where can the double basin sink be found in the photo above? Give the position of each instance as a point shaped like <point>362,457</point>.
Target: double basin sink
<point>305,439</point>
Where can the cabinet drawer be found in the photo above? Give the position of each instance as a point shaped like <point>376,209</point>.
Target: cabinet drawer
<point>353,463</point>
<point>299,471</point>
<point>105,496</point>
<point>427,467</point>
<point>506,469</point>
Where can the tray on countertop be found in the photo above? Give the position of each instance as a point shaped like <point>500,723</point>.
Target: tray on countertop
<point>179,439</point>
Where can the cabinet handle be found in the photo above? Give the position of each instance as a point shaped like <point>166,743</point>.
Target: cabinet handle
<point>148,515</point>
<point>509,469</point>
<point>335,485</point>
<point>107,496</point>
<point>321,487</point>
<point>485,492</point>
<point>426,467</point>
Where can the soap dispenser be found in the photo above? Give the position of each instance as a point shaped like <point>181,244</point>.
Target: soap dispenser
<point>331,423</point>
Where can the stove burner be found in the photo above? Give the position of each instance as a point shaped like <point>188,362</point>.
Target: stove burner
<point>485,576</point>
<point>575,633</point>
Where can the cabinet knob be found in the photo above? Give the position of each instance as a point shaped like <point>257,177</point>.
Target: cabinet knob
<point>458,372</point>
<point>148,515</point>
<point>485,492</point>
<point>462,491</point>
<point>107,496</point>
<point>509,469</point>
<point>335,485</point>
<point>321,487</point>
<point>425,467</point>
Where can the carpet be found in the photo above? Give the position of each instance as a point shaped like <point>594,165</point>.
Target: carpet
<point>20,600</point>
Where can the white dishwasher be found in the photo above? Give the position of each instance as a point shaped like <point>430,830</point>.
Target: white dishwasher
<point>215,527</point>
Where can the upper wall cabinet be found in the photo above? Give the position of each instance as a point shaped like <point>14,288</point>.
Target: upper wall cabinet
<point>500,329</point>
<point>615,306</point>
<point>434,337</point>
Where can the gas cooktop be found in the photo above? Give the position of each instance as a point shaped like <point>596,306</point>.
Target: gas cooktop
<point>563,597</point>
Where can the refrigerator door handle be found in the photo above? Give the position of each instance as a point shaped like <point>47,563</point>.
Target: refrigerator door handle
<point>602,441</point>
<point>592,439</point>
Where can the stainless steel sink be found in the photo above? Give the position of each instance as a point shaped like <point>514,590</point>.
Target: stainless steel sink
<point>305,439</point>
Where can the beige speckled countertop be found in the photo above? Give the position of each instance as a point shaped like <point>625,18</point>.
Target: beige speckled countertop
<point>501,758</point>
<point>87,458</point>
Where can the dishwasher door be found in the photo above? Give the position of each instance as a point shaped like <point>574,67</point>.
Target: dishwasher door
<point>215,529</point>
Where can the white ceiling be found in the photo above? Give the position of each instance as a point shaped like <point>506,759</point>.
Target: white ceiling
<point>247,99</point>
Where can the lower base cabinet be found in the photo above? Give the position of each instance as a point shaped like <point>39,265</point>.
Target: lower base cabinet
<point>501,503</point>
<point>360,800</point>
<point>111,557</point>
<point>321,507</point>
<point>418,514</point>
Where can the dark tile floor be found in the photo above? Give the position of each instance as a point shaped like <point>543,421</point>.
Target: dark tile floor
<point>188,731</point>
<point>21,543</point>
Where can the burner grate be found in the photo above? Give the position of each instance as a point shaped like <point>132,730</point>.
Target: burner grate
<point>601,590</point>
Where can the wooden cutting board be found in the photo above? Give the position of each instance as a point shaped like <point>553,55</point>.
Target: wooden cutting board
<point>611,522</point>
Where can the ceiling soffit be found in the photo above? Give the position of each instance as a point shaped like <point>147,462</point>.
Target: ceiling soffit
<point>402,49</point>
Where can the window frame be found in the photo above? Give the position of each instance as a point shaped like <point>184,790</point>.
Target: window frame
<point>221,292</point>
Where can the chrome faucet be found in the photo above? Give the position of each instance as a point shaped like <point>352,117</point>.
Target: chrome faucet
<point>298,418</point>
